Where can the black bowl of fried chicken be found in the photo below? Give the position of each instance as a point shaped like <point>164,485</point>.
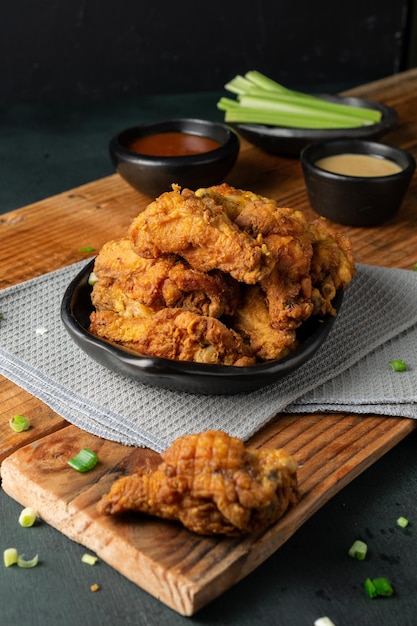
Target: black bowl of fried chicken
<point>213,291</point>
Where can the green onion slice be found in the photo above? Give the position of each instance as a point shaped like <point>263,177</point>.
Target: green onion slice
<point>92,279</point>
<point>10,557</point>
<point>324,621</point>
<point>21,562</point>
<point>370,588</point>
<point>86,249</point>
<point>89,559</point>
<point>84,461</point>
<point>28,517</point>
<point>398,365</point>
<point>402,522</point>
<point>19,423</point>
<point>383,587</point>
<point>378,587</point>
<point>358,550</point>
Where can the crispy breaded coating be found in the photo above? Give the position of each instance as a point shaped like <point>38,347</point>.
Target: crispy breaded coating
<point>200,231</point>
<point>332,265</point>
<point>212,484</point>
<point>253,322</point>
<point>219,252</point>
<point>174,334</point>
<point>286,235</point>
<point>134,286</point>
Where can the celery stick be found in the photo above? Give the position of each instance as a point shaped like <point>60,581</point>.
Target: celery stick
<point>238,85</point>
<point>275,118</point>
<point>372,115</point>
<point>261,100</point>
<point>224,104</point>
<point>256,102</point>
<point>257,78</point>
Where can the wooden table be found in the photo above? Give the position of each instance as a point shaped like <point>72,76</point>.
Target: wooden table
<point>48,234</point>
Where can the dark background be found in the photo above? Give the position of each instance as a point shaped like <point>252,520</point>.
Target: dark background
<point>55,50</point>
<point>75,72</point>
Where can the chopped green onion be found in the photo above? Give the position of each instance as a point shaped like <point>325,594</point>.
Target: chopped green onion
<point>19,423</point>
<point>398,365</point>
<point>84,461</point>
<point>2,316</point>
<point>378,587</point>
<point>370,588</point>
<point>28,517</point>
<point>21,562</point>
<point>89,559</point>
<point>383,587</point>
<point>414,267</point>
<point>10,557</point>
<point>358,550</point>
<point>261,100</point>
<point>324,621</point>
<point>92,279</point>
<point>86,249</point>
<point>402,522</point>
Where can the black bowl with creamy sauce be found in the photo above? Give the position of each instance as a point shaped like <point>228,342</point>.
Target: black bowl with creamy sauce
<point>189,152</point>
<point>365,189</point>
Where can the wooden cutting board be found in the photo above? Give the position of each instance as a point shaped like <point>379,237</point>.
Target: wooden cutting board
<point>180,568</point>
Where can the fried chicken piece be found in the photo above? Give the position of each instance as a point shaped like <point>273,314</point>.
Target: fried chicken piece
<point>253,322</point>
<point>332,265</point>
<point>288,286</point>
<point>233,200</point>
<point>174,334</point>
<point>212,484</point>
<point>219,252</point>
<point>286,234</point>
<point>200,231</point>
<point>131,285</point>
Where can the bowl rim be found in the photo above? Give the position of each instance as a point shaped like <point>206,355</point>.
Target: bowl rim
<point>389,117</point>
<point>281,140</point>
<point>189,373</point>
<point>231,143</point>
<point>320,149</point>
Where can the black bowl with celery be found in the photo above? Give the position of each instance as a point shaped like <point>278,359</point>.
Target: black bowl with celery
<point>282,121</point>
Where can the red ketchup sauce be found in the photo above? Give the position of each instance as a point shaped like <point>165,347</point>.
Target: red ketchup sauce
<point>173,144</point>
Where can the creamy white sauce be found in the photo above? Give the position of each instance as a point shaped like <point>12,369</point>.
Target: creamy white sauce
<point>358,165</point>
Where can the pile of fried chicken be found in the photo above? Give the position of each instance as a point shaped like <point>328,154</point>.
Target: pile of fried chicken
<point>211,483</point>
<point>218,275</point>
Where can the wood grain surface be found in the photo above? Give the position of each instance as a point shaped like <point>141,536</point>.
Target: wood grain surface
<point>185,571</point>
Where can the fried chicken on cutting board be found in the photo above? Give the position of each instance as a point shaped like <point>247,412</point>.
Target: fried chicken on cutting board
<point>211,483</point>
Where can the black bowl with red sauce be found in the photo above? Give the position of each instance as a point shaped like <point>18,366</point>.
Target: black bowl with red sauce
<point>192,153</point>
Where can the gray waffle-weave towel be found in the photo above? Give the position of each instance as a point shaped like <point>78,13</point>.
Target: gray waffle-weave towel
<point>377,323</point>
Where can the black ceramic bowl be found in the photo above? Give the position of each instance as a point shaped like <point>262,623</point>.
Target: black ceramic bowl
<point>185,376</point>
<point>152,175</point>
<point>356,200</point>
<point>290,141</point>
